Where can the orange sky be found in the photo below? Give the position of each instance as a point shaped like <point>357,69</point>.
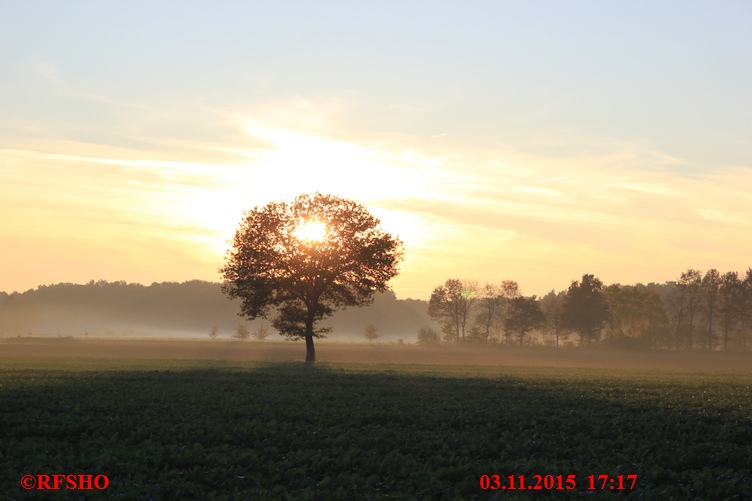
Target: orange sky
<point>123,162</point>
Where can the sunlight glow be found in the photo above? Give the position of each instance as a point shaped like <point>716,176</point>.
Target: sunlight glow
<point>311,231</point>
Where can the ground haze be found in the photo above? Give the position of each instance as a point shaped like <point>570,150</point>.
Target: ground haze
<point>331,351</point>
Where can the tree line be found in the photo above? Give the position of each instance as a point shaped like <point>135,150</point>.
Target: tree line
<point>706,311</point>
<point>102,308</point>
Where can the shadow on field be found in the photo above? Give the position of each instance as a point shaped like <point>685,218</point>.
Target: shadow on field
<point>182,430</point>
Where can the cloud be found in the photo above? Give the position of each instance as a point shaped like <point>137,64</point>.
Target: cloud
<point>538,191</point>
<point>485,211</point>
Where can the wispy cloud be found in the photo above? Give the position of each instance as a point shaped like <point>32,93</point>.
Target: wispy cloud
<point>489,213</point>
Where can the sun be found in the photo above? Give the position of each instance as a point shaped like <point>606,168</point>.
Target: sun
<point>311,230</point>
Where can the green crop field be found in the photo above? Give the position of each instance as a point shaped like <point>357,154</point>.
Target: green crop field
<point>212,429</point>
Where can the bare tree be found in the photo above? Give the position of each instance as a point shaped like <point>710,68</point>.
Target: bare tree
<point>262,332</point>
<point>371,332</point>
<point>428,336</point>
<point>214,332</point>
<point>489,310</point>
<point>450,305</point>
<point>241,332</point>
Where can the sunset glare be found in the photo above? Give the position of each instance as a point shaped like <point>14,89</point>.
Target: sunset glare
<point>311,231</point>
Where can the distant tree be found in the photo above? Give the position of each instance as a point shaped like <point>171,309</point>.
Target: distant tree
<point>214,332</point>
<point>745,308</point>
<point>450,305</point>
<point>690,292</point>
<point>636,313</point>
<point>428,336</point>
<point>552,306</point>
<point>371,332</point>
<point>510,290</point>
<point>307,258</point>
<point>584,309</point>
<point>489,310</point>
<point>241,332</point>
<point>525,315</point>
<point>262,332</point>
<point>492,306</point>
<point>729,294</point>
<point>18,313</point>
<point>711,284</point>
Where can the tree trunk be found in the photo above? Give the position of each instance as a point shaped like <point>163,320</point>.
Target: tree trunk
<point>310,350</point>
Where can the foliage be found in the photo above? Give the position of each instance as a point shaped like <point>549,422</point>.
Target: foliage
<point>637,314</point>
<point>584,309</point>
<point>271,267</point>
<point>690,295</point>
<point>711,284</point>
<point>524,315</point>
<point>241,332</point>
<point>493,308</point>
<point>371,332</point>
<point>552,305</point>
<point>207,430</point>
<point>450,305</point>
<point>730,294</point>
<point>18,313</point>
<point>428,336</point>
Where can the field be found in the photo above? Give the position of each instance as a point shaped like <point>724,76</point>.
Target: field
<point>184,420</point>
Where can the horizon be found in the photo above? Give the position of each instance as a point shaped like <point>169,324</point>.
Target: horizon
<point>531,141</point>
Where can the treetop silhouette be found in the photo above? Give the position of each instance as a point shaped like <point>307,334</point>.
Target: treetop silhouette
<point>303,259</point>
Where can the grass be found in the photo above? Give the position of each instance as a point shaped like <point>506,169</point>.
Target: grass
<point>182,429</point>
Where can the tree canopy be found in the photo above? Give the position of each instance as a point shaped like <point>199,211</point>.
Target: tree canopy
<point>450,305</point>
<point>525,314</point>
<point>585,310</point>
<point>301,260</point>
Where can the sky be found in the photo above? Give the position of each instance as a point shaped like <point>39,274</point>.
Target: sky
<point>528,140</point>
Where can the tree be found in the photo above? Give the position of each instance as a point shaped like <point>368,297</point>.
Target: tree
<point>690,292</point>
<point>525,315</point>
<point>304,259</point>
<point>510,290</point>
<point>489,306</point>
<point>241,332</point>
<point>729,294</point>
<point>428,336</point>
<point>18,313</point>
<point>584,309</point>
<point>493,307</point>
<point>552,307</point>
<point>637,314</point>
<point>450,305</point>
<point>371,332</point>
<point>262,332</point>
<point>745,307</point>
<point>214,332</point>
<point>711,284</point>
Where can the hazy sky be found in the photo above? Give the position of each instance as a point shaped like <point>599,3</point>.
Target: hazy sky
<point>534,141</point>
